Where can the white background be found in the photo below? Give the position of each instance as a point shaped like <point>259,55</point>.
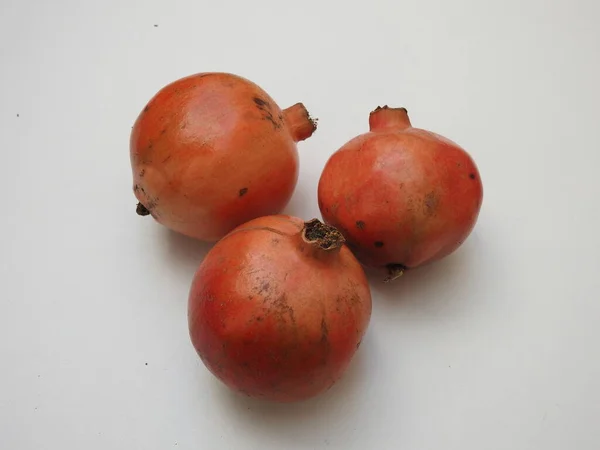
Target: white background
<point>494,348</point>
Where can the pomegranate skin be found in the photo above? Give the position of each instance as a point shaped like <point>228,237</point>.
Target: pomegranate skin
<point>212,151</point>
<point>274,316</point>
<point>402,196</point>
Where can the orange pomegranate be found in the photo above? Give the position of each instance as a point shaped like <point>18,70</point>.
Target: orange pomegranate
<point>278,308</point>
<point>212,151</point>
<point>402,196</point>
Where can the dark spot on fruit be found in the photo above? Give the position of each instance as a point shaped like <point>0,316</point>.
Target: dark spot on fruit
<point>275,241</point>
<point>360,225</point>
<point>260,102</point>
<point>259,319</point>
<point>147,108</point>
<point>142,173</point>
<point>243,191</point>
<point>431,203</point>
<point>276,125</point>
<point>152,203</point>
<point>167,158</point>
<point>472,176</point>
<point>378,244</point>
<point>264,287</point>
<point>183,125</point>
<point>280,308</point>
<point>358,345</point>
<point>265,108</point>
<point>136,188</point>
<point>324,330</point>
<point>163,131</point>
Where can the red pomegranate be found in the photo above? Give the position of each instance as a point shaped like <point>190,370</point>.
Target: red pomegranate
<point>278,308</point>
<point>402,196</point>
<point>212,151</point>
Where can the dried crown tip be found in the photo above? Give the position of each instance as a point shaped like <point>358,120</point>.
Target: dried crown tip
<point>379,108</point>
<point>313,121</point>
<point>323,235</point>
<point>395,271</point>
<point>141,210</point>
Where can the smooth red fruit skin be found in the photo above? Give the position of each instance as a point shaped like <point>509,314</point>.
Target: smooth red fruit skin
<point>401,196</point>
<point>212,151</point>
<point>275,317</point>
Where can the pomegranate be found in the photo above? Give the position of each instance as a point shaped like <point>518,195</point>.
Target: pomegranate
<point>402,196</point>
<point>212,151</point>
<point>278,308</point>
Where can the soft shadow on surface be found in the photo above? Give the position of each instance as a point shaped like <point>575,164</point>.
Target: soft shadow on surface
<point>183,252</point>
<point>439,286</point>
<point>300,421</point>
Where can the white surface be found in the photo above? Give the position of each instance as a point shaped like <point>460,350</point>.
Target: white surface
<point>494,348</point>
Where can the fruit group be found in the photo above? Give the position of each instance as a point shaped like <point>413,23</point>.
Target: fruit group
<point>402,196</point>
<point>278,308</point>
<point>212,151</point>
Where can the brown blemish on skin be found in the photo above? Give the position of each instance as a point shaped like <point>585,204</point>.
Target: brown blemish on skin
<point>167,158</point>
<point>163,131</point>
<point>378,244</point>
<point>280,308</point>
<point>472,176</point>
<point>152,204</point>
<point>324,332</point>
<point>431,203</point>
<point>360,225</point>
<point>324,341</point>
<point>266,109</point>
<point>142,173</point>
<point>264,287</point>
<point>243,191</point>
<point>261,103</point>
